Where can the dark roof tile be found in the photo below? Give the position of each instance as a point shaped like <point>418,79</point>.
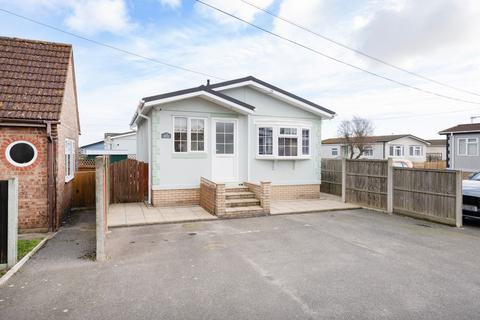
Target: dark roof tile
<point>466,127</point>
<point>32,78</point>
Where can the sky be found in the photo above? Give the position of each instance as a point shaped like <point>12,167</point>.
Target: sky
<point>435,38</point>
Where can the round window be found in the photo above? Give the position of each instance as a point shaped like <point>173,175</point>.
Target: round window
<point>21,153</point>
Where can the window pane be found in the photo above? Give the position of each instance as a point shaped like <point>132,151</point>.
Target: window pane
<point>194,146</point>
<point>228,138</point>
<point>220,127</point>
<point>229,128</point>
<point>287,146</point>
<point>181,124</point>
<point>229,148</point>
<point>462,146</point>
<point>220,148</point>
<point>472,149</point>
<point>305,141</point>
<point>265,141</point>
<point>220,138</point>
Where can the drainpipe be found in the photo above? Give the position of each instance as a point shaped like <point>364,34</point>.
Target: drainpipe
<point>149,129</point>
<point>51,179</point>
<point>452,151</point>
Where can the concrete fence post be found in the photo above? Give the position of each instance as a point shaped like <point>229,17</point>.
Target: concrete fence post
<point>100,198</point>
<point>12,222</point>
<point>390,186</point>
<point>344,180</point>
<point>459,199</point>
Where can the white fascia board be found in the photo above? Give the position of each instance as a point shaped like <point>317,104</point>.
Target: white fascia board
<point>281,97</point>
<point>123,135</point>
<point>202,94</point>
<point>461,132</point>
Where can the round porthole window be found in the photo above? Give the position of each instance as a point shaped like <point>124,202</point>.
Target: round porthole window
<point>21,153</point>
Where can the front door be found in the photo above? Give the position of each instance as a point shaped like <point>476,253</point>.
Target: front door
<point>225,153</point>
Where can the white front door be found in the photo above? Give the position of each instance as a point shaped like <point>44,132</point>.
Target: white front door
<point>225,153</point>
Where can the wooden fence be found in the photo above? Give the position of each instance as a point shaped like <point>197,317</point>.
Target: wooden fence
<point>429,194</point>
<point>128,181</point>
<point>440,164</point>
<point>365,182</point>
<point>83,195</point>
<point>331,176</point>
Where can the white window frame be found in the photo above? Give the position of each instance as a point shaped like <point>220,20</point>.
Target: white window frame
<point>369,148</point>
<point>70,174</point>
<point>189,132</point>
<point>413,150</point>
<point>467,142</point>
<point>336,151</point>
<point>13,162</point>
<point>276,134</point>
<point>399,147</point>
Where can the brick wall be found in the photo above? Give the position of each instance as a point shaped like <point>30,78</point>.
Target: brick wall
<point>207,195</point>
<point>262,192</point>
<point>32,180</point>
<point>292,192</point>
<point>176,197</point>
<point>68,128</point>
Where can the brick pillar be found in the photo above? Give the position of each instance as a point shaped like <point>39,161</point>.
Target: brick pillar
<point>265,192</point>
<point>220,199</point>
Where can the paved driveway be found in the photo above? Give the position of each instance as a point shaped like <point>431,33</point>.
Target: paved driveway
<point>340,265</point>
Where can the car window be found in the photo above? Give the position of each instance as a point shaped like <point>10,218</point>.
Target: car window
<point>476,176</point>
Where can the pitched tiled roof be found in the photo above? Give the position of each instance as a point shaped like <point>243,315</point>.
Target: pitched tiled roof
<point>467,127</point>
<point>438,142</point>
<point>373,139</point>
<point>32,78</point>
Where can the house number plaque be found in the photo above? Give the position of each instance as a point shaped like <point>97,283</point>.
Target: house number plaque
<point>166,135</point>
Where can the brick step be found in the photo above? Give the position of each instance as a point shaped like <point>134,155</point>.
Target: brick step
<point>239,195</point>
<point>242,202</point>
<point>236,189</point>
<point>243,212</point>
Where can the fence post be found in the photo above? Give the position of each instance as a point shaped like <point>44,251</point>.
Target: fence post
<point>390,186</point>
<point>459,199</point>
<point>100,207</point>
<point>344,180</point>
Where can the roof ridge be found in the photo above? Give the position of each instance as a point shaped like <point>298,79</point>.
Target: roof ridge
<point>36,41</point>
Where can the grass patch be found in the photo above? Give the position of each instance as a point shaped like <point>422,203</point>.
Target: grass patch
<point>25,246</point>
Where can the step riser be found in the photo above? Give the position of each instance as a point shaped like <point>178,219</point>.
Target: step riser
<point>240,196</point>
<point>242,204</point>
<point>239,189</point>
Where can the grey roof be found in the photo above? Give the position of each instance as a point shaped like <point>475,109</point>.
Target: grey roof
<point>438,142</point>
<point>196,89</point>
<point>270,86</point>
<point>375,139</point>
<point>466,127</point>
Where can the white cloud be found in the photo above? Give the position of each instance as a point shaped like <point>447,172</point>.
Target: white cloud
<point>94,16</point>
<point>405,29</point>
<point>171,3</point>
<point>235,7</point>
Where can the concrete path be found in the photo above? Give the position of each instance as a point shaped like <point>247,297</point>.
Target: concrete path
<point>354,264</point>
<point>131,214</point>
<point>325,203</point>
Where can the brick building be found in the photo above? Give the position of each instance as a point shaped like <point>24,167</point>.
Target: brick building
<point>39,128</point>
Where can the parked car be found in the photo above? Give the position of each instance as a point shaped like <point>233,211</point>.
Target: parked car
<point>471,196</point>
<point>402,163</point>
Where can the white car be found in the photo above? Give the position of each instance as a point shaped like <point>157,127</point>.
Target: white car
<point>471,196</point>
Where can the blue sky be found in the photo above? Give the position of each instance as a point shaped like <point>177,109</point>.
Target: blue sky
<point>436,38</point>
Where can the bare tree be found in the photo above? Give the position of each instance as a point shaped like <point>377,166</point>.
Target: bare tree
<point>355,132</point>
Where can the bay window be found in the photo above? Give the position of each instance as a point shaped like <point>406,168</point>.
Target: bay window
<point>188,134</point>
<point>283,142</point>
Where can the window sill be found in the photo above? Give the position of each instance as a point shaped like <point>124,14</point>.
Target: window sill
<point>190,155</point>
<point>283,158</point>
<point>68,179</point>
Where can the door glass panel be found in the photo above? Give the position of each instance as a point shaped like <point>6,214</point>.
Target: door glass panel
<point>224,138</point>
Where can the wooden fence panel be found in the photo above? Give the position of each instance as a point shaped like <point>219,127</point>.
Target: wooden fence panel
<point>366,182</point>
<point>84,189</point>
<point>427,194</point>
<point>331,176</point>
<point>128,181</point>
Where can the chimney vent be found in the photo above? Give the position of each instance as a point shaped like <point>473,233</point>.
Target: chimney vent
<point>208,82</point>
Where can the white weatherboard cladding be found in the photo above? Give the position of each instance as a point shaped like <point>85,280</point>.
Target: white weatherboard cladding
<point>183,170</point>
<point>406,142</point>
<point>142,141</point>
